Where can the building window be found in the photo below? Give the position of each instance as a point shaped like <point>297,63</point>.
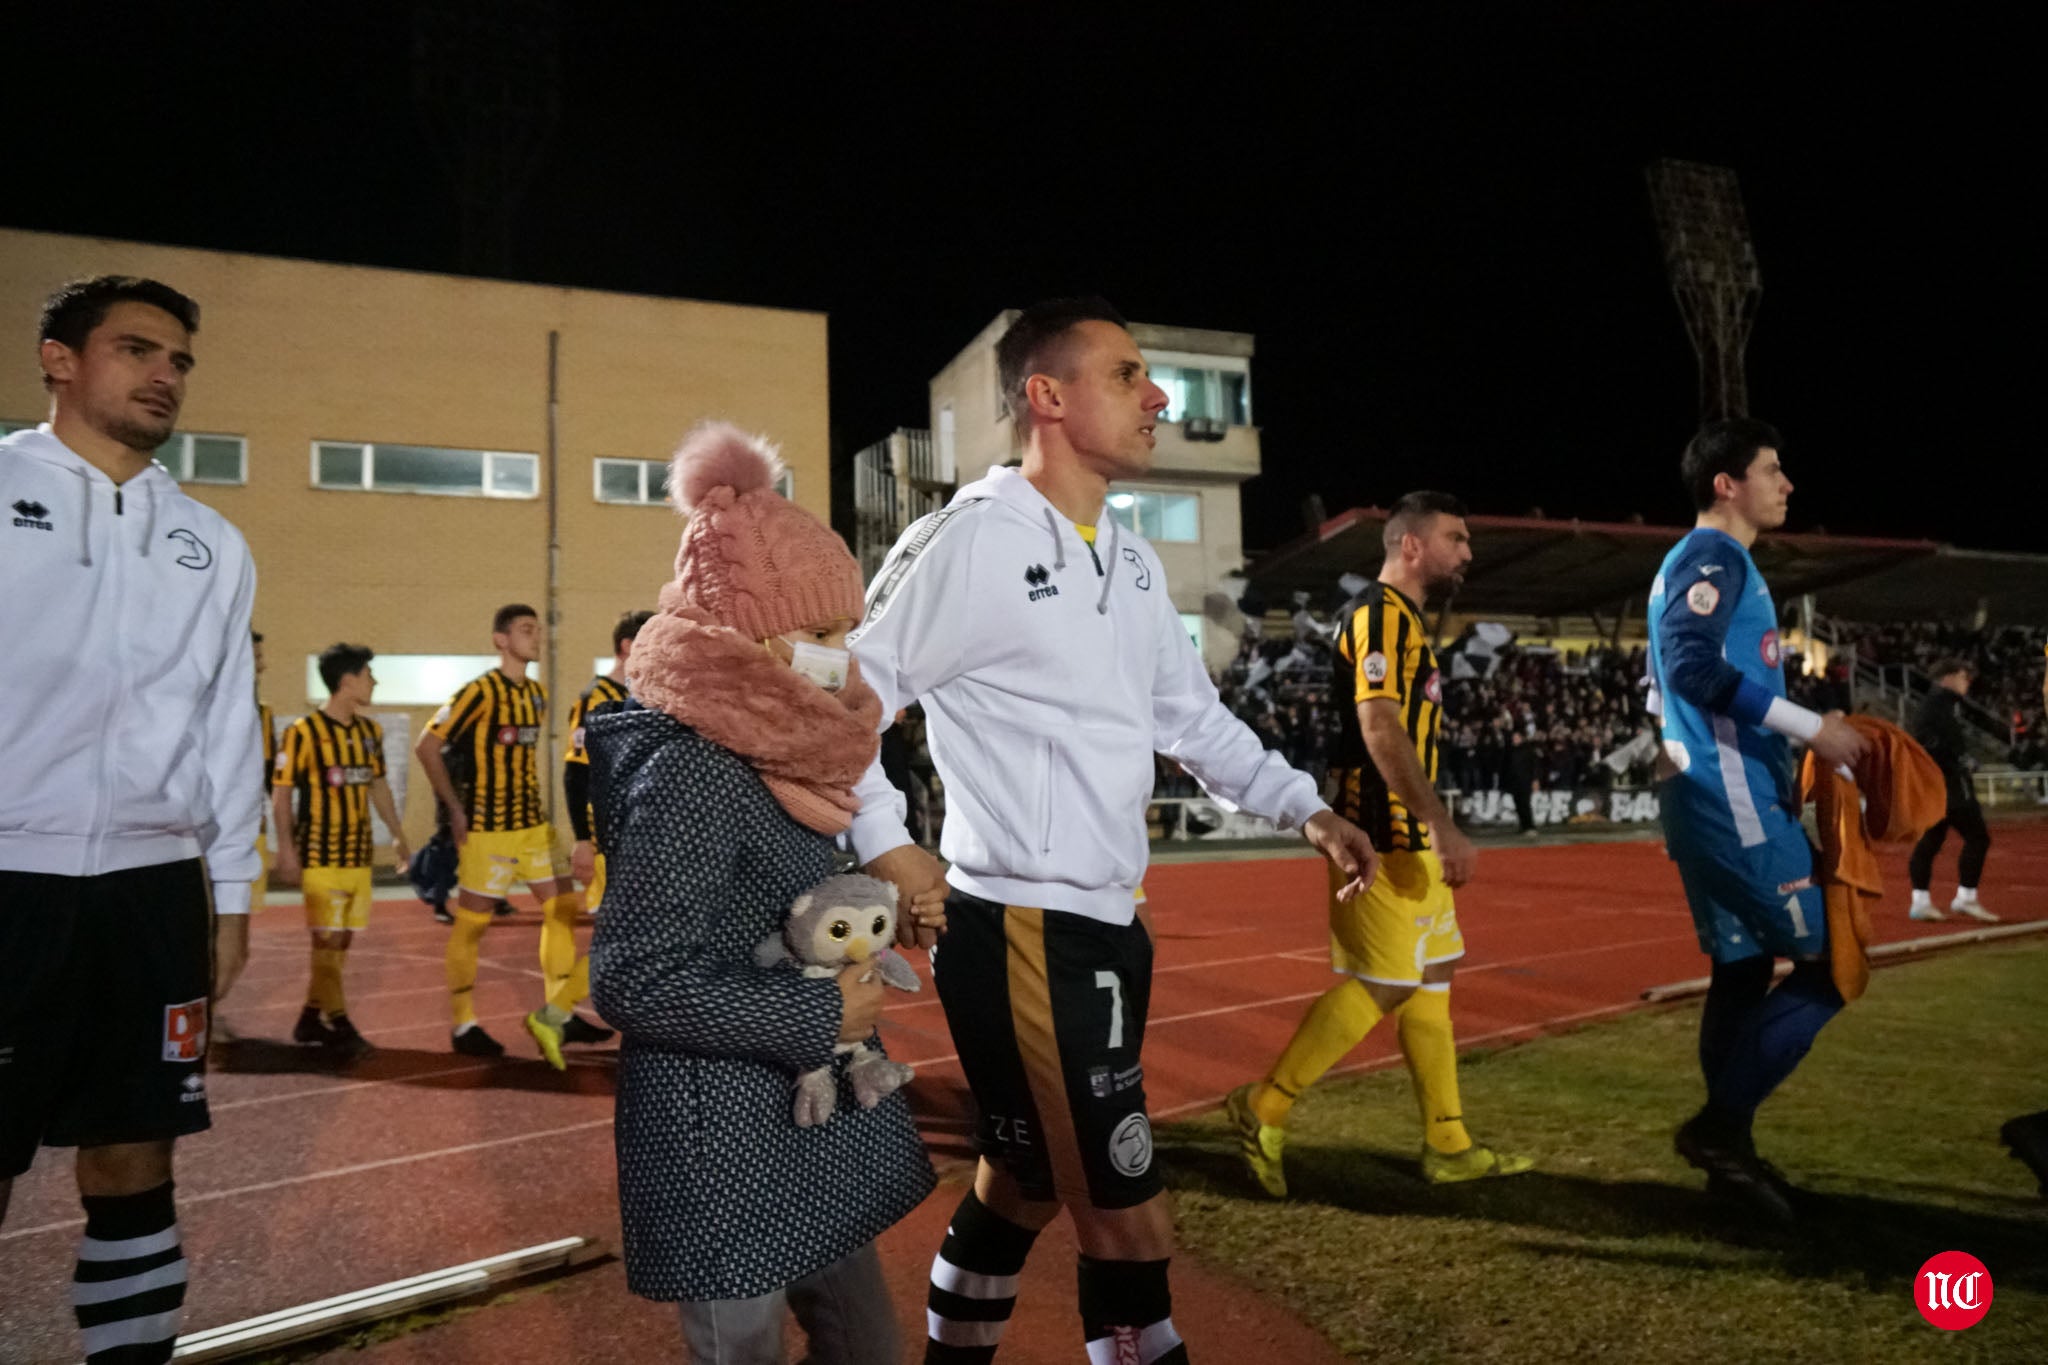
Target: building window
<point>413,679</point>
<point>1158,516</point>
<point>631,481</point>
<point>1191,621</point>
<point>8,427</point>
<point>387,468</point>
<point>1215,395</point>
<point>195,457</point>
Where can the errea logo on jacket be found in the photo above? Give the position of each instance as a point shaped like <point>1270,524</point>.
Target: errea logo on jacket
<point>1040,583</point>
<point>32,515</point>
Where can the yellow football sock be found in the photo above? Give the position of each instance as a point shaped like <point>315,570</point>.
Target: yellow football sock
<point>465,940</point>
<point>326,988</point>
<point>558,940</point>
<point>1334,1024</point>
<point>574,989</point>
<point>1432,1054</point>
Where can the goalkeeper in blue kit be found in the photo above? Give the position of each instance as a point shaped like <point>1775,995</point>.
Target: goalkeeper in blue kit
<point>1729,803</point>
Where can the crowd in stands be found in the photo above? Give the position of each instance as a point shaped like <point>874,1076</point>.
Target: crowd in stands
<point>1579,709</point>
<point>2008,662</point>
<point>1572,709</point>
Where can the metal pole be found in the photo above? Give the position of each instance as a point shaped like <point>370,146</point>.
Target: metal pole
<point>554,607</point>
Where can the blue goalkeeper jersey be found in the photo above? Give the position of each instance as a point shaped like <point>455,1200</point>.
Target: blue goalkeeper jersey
<point>1715,669</point>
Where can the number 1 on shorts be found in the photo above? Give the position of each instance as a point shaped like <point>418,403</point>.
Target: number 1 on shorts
<point>1798,917</point>
<point>1109,982</point>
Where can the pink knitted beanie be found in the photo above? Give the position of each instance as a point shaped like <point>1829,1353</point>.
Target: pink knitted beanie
<point>750,558</point>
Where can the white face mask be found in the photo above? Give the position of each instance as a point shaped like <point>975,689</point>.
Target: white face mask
<point>822,664</point>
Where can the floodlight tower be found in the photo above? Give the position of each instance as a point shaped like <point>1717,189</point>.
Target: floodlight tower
<point>486,79</point>
<point>1714,276</point>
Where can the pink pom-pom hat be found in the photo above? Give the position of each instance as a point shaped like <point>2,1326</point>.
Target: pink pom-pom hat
<point>750,558</point>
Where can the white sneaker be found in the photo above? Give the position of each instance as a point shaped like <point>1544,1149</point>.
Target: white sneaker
<point>1973,909</point>
<point>1925,912</point>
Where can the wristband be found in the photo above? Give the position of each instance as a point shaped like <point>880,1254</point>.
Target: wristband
<point>1791,720</point>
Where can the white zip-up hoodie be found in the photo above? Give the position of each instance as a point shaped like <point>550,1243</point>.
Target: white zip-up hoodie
<point>128,731</point>
<point>1050,672</point>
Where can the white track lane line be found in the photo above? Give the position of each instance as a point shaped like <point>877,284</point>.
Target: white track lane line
<point>187,1200</point>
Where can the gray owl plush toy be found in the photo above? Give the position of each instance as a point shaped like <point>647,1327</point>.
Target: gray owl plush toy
<point>843,920</point>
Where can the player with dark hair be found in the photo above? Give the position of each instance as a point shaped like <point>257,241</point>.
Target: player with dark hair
<point>129,818</point>
<point>333,761</point>
<point>500,831</point>
<point>1398,945</point>
<point>1729,805</point>
<point>1044,645</point>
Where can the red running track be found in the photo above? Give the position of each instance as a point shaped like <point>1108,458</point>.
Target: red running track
<point>314,1182</point>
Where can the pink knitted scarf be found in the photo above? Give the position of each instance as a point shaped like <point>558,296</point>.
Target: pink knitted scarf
<point>810,746</point>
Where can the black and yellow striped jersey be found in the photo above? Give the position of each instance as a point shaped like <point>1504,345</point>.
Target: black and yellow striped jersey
<point>499,722</point>
<point>604,691</point>
<point>1383,652</point>
<point>331,766</point>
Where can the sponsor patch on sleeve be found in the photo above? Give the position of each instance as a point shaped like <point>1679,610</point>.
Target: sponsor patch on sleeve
<point>1703,597</point>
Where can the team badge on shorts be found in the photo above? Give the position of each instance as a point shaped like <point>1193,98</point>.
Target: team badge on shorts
<point>185,1031</point>
<point>1130,1146</point>
<point>1375,667</point>
<point>1703,597</point>
<point>1770,648</point>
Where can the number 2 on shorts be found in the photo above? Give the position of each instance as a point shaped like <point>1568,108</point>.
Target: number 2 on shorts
<point>1108,981</point>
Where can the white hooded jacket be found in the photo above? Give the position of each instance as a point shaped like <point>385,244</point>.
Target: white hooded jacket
<point>1050,672</point>
<point>128,727</point>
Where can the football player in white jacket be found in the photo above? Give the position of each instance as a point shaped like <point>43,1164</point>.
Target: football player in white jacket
<point>128,822</point>
<point>1052,665</point>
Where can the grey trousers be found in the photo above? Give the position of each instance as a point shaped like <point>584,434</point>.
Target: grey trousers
<point>844,1309</point>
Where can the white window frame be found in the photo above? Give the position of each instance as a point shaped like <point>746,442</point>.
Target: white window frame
<point>648,480</point>
<point>182,470</point>
<point>1135,490</point>
<point>369,480</point>
<point>1214,364</point>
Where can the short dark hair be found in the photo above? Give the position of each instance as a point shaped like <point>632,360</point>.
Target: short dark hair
<point>1411,510</point>
<point>627,627</point>
<point>339,661</point>
<point>1729,447</point>
<point>509,613</point>
<point>1026,348</point>
<point>70,314</point>
<point>1943,667</point>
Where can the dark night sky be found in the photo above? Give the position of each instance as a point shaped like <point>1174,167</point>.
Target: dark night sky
<point>1439,231</point>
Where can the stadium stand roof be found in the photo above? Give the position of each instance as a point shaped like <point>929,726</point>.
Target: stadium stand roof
<point>1540,566</point>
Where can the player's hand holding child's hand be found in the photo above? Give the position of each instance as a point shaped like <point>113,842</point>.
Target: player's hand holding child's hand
<point>921,893</point>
